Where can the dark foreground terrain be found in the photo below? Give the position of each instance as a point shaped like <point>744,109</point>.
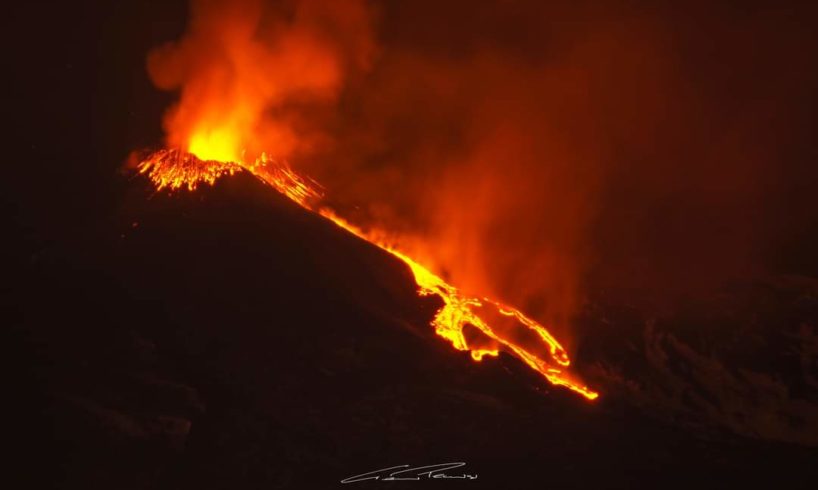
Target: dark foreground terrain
<point>227,339</point>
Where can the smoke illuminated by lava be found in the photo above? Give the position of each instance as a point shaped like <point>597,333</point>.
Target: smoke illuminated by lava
<point>242,60</point>
<point>173,169</point>
<point>538,153</point>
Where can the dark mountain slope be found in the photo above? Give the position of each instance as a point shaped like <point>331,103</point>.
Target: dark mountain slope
<point>228,339</point>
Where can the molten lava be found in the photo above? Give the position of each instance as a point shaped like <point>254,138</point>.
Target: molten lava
<point>174,169</point>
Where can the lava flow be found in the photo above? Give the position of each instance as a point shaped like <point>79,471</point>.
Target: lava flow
<point>174,169</point>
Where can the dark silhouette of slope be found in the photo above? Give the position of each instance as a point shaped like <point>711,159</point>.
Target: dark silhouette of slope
<point>226,338</point>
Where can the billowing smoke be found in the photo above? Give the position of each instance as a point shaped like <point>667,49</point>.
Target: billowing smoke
<point>547,150</point>
<point>533,151</point>
<point>250,73</point>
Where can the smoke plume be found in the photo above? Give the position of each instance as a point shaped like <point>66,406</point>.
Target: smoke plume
<point>533,151</point>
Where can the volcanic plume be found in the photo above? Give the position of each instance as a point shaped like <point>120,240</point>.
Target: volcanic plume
<point>244,67</point>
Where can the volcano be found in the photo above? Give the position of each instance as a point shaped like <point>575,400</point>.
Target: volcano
<point>459,311</point>
<point>614,200</point>
<point>229,338</point>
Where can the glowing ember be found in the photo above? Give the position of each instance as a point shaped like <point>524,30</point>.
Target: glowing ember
<point>174,169</point>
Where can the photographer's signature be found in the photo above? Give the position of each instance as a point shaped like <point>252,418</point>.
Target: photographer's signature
<point>406,473</point>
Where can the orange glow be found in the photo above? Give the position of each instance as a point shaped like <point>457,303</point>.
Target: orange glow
<point>217,145</point>
<point>173,169</point>
<point>241,63</point>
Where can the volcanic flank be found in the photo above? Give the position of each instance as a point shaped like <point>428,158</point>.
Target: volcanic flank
<point>507,328</point>
<point>228,337</point>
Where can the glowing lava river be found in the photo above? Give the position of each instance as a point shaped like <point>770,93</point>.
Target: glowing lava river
<point>174,169</point>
